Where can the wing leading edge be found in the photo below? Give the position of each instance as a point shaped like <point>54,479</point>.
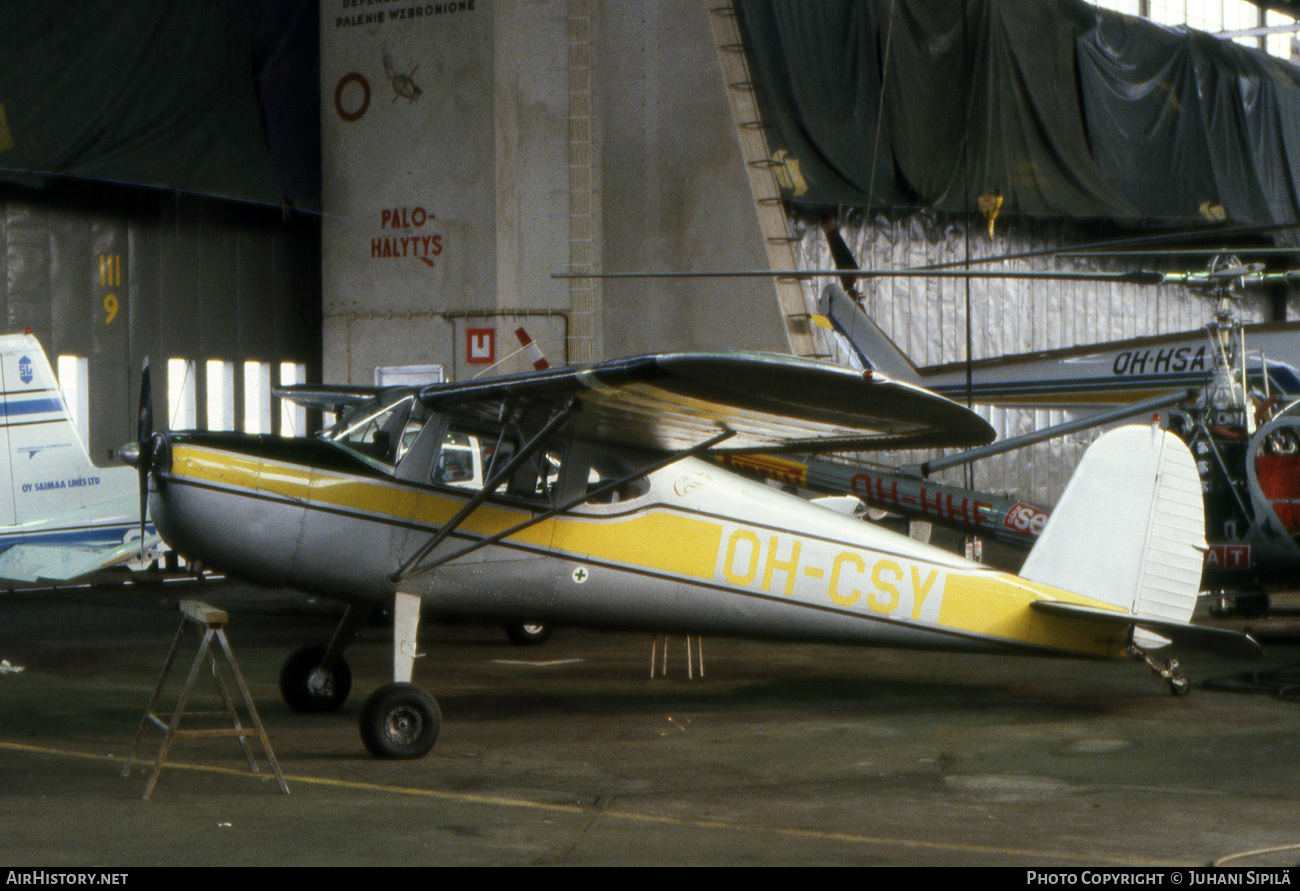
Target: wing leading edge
<point>325,398</point>
<point>772,403</point>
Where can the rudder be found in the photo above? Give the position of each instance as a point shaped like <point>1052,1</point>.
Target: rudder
<point>1129,529</point>
<point>861,338</point>
<point>49,470</point>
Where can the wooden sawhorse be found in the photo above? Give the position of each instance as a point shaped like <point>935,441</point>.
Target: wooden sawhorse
<point>213,621</point>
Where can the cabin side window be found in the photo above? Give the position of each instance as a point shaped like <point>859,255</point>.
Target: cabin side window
<point>607,469</point>
<point>470,457</point>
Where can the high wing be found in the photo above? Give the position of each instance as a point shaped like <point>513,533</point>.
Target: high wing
<point>772,403</point>
<point>325,398</point>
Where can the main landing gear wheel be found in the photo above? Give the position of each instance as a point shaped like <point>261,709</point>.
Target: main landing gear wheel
<point>525,633</point>
<point>306,687</point>
<point>400,721</point>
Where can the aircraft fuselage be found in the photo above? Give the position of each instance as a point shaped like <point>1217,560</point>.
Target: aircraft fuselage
<point>691,548</point>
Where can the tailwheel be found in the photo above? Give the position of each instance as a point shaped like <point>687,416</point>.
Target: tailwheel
<point>400,721</point>
<point>307,687</point>
<point>1179,685</point>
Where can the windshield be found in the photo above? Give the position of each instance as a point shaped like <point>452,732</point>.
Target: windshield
<point>381,429</point>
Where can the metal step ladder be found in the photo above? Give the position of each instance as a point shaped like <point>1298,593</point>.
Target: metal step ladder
<point>213,621</point>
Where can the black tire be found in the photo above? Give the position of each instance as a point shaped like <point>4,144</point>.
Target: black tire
<point>1254,605</point>
<point>400,721</point>
<point>528,633</point>
<point>307,689</point>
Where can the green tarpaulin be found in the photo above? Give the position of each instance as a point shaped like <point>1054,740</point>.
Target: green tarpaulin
<point>1060,108</point>
<point>133,91</point>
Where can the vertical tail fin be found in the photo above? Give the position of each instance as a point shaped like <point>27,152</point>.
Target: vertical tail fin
<point>44,468</point>
<point>861,338</point>
<point>1130,528</point>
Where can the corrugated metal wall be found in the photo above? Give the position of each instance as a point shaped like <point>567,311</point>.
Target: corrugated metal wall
<point>116,274</point>
<point>927,318</point>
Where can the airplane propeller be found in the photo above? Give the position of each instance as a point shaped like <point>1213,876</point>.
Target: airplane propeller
<point>144,437</point>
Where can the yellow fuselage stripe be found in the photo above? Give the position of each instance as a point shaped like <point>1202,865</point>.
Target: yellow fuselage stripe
<point>657,540</point>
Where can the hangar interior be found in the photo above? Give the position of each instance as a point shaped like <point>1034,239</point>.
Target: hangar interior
<point>288,191</point>
<point>257,192</point>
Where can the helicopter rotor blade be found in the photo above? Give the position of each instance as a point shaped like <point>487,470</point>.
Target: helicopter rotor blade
<point>1180,238</point>
<point>1135,276</point>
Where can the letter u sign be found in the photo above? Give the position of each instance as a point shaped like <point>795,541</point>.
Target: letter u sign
<point>480,346</point>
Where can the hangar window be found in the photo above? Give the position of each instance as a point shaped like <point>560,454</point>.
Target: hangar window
<point>293,417</point>
<point>221,395</point>
<point>74,380</point>
<point>1241,21</point>
<point>257,397</point>
<point>1281,40</point>
<point>181,412</point>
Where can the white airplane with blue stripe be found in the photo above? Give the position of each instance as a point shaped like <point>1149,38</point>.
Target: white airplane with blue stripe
<point>61,517</point>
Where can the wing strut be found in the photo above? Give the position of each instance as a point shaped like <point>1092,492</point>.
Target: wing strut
<point>1086,422</point>
<point>489,488</point>
<point>410,566</point>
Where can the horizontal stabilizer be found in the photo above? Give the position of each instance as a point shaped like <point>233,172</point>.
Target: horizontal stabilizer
<point>65,563</point>
<point>1219,641</point>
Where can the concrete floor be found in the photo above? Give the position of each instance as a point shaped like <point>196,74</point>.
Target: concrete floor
<point>569,754</point>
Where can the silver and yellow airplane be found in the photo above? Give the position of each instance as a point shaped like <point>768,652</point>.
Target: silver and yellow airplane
<point>580,496</point>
